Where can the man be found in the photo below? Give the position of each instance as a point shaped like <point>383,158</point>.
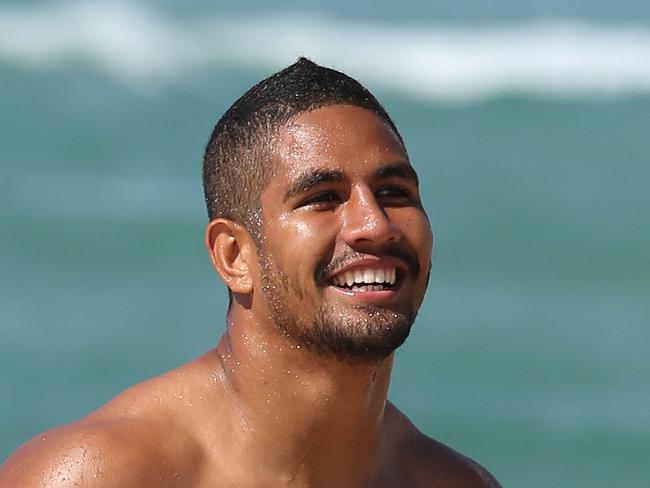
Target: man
<point>317,228</point>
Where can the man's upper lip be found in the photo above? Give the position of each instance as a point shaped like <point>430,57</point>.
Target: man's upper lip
<point>370,262</point>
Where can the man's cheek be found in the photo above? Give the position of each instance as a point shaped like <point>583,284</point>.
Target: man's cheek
<point>304,232</point>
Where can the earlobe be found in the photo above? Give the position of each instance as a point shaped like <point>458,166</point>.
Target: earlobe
<point>228,244</point>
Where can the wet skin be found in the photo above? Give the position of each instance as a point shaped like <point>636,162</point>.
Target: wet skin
<point>344,197</point>
<point>272,405</point>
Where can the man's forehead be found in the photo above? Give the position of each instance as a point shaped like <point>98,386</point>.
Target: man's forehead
<point>340,138</point>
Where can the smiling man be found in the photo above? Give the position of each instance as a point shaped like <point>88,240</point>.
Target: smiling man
<point>318,230</point>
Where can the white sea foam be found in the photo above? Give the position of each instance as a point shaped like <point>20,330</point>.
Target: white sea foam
<point>144,48</point>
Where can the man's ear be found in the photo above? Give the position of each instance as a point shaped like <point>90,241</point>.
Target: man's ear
<point>230,247</point>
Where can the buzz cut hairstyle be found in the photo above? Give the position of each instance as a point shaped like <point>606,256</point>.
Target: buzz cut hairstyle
<point>237,165</point>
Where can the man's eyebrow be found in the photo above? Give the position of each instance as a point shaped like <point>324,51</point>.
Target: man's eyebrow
<point>311,179</point>
<point>398,170</point>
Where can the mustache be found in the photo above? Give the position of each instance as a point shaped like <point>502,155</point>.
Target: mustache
<point>349,256</point>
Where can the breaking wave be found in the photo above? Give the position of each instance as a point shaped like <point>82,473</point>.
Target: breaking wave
<point>145,47</point>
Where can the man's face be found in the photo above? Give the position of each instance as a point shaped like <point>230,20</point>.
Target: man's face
<point>345,246</point>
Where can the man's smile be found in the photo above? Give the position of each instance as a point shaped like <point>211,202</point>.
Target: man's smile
<point>366,279</point>
<point>371,279</point>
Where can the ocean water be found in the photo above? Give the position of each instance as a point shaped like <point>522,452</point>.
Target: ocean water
<point>527,123</point>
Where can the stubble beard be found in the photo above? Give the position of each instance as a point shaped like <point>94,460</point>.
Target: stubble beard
<point>351,334</point>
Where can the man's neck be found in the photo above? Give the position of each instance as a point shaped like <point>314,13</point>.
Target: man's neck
<point>312,419</point>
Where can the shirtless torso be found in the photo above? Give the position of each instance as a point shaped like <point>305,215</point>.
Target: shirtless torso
<point>180,430</point>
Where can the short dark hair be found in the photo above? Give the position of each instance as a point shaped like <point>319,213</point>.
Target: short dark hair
<point>236,164</point>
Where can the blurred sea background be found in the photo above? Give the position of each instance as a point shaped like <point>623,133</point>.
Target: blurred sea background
<point>527,121</point>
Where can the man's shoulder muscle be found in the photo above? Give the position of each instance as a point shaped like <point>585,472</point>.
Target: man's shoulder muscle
<point>447,467</point>
<point>97,453</point>
<point>432,463</point>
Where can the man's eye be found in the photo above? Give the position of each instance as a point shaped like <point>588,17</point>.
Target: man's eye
<point>393,192</point>
<point>324,198</point>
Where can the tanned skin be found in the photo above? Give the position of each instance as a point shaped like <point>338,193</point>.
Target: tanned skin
<point>262,409</point>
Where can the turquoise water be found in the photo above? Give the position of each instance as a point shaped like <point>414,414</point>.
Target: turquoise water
<point>530,351</point>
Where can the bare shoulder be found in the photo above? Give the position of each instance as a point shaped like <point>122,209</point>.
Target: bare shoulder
<point>140,438</point>
<point>432,463</point>
<point>441,462</point>
<point>97,453</point>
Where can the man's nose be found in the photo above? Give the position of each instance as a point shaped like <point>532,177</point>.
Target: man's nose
<point>365,222</point>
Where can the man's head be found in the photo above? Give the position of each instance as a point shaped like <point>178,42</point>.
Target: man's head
<point>342,245</point>
<point>237,163</point>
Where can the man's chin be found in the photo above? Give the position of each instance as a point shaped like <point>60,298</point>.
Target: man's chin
<point>364,334</point>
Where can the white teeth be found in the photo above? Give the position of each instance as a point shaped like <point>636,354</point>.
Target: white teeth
<point>358,276</point>
<point>380,276</point>
<point>366,276</point>
<point>349,278</point>
<point>369,276</point>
